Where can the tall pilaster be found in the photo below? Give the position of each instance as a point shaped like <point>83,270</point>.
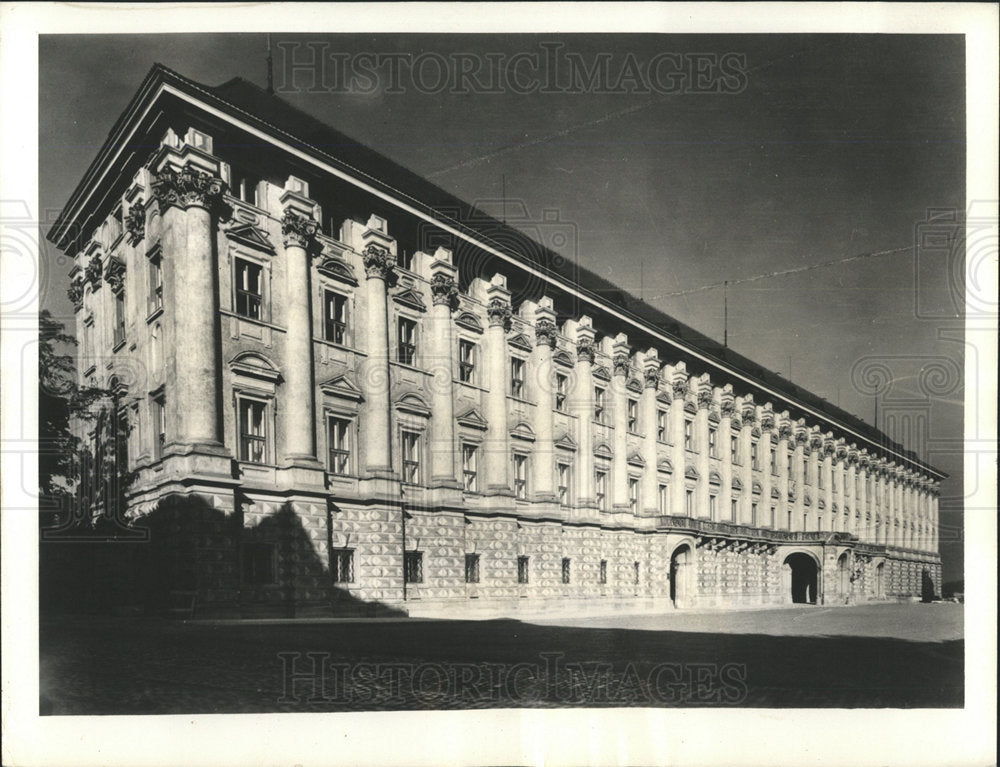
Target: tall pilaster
<point>444,300</point>
<point>801,436</point>
<point>678,454</point>
<point>850,495</point>
<point>935,520</point>
<point>815,450</point>
<point>619,392</point>
<point>581,404</point>
<point>891,523</point>
<point>865,516</point>
<point>497,361</point>
<point>748,416</point>
<point>727,407</point>
<point>766,468</point>
<point>829,448</point>
<point>648,406</point>
<point>543,393</point>
<point>375,421</point>
<point>839,482</point>
<point>878,510</point>
<point>190,197</point>
<point>704,392</point>
<point>298,229</point>
<point>784,435</point>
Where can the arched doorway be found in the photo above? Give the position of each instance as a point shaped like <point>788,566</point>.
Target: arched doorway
<point>680,576</point>
<point>804,578</point>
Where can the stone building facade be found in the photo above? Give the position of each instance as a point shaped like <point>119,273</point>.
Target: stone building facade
<point>340,400</point>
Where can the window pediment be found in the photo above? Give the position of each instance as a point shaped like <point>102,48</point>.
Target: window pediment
<point>691,473</point>
<point>472,419</point>
<point>562,358</point>
<point>411,298</point>
<point>250,236</point>
<point>469,321</point>
<point>603,451</point>
<point>666,466</point>
<point>337,269</point>
<point>602,373</point>
<point>520,341</point>
<point>342,387</point>
<point>566,442</point>
<point>634,386</point>
<point>413,403</point>
<point>253,365</point>
<point>523,431</point>
<point>636,460</point>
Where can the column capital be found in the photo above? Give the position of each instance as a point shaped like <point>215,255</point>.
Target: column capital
<point>651,376</point>
<point>767,419</point>
<point>499,313</point>
<point>378,262</point>
<point>75,293</point>
<point>705,393</point>
<point>135,221</point>
<point>114,274</point>
<point>621,364</point>
<point>444,290</point>
<point>297,230</point>
<point>188,188</point>
<point>749,411</point>
<point>545,332</point>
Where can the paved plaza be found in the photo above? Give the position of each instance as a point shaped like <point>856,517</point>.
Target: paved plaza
<point>899,655</point>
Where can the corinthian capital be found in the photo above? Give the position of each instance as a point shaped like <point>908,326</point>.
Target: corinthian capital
<point>189,188</point>
<point>620,364</point>
<point>135,222</point>
<point>499,313</point>
<point>75,293</point>
<point>444,290</point>
<point>298,231</point>
<point>651,378</point>
<point>378,263</point>
<point>545,333</point>
<point>585,351</point>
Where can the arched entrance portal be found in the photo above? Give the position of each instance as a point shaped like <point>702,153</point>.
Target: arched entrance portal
<point>805,578</point>
<point>680,576</point>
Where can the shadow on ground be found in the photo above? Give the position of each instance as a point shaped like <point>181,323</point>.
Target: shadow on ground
<point>151,666</point>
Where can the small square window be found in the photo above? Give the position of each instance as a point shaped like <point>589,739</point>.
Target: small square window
<point>342,566</point>
<point>565,570</point>
<point>635,573</point>
<point>259,564</point>
<point>413,565</point>
<point>522,569</point>
<point>603,571</point>
<point>472,568</point>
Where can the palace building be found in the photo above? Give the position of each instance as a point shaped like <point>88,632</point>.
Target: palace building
<point>348,392</point>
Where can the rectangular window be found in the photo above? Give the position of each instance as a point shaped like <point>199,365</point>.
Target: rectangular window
<point>159,425</point>
<point>472,568</point>
<point>603,576</point>
<point>601,489</point>
<point>119,317</point>
<point>713,442</point>
<point>774,517</point>
<point>688,434</point>
<point>663,496</point>
<point>249,289</point>
<point>774,462</point>
<point>789,520</point>
<point>243,185</point>
<point>122,440</point>
<point>339,445</point>
<point>563,483</point>
<point>633,415</point>
<point>516,377</point>
<point>259,566</point>
<point>689,502</point>
<point>335,318</point>
<point>410,441</point>
<point>635,570</point>
<point>470,468</point>
<point>520,476</point>
<point>561,384</point>
<point>565,570</point>
<point>342,566</point>
<point>754,456</point>
<point>413,567</point>
<point>407,350</point>
<point>404,259</point>
<point>734,507</point>
<point>253,430</point>
<point>661,425</point>
<point>522,569</point>
<point>753,514</point>
<point>599,403</point>
<point>155,283</point>
<point>466,361</point>
<point>734,450</point>
<point>633,494</point>
<point>820,478</point>
<point>712,506</point>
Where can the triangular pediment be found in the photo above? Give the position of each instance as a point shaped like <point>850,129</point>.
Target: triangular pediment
<point>665,465</point>
<point>602,373</point>
<point>566,442</point>
<point>691,473</point>
<point>520,341</point>
<point>342,386</point>
<point>634,386</point>
<point>411,298</point>
<point>248,234</point>
<point>472,419</point>
<point>636,460</point>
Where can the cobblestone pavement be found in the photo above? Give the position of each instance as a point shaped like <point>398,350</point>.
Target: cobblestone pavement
<point>867,656</point>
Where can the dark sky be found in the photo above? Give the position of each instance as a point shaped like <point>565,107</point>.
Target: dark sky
<point>825,147</point>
